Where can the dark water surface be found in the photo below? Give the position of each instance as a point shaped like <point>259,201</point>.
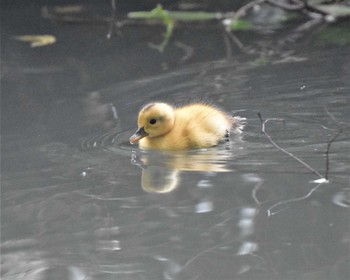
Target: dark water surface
<point>79,202</point>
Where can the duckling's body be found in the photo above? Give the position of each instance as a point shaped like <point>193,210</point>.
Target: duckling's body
<point>195,125</point>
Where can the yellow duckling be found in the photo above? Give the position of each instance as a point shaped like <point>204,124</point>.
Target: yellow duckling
<point>198,125</point>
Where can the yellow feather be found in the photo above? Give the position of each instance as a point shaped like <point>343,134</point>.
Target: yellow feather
<point>197,125</point>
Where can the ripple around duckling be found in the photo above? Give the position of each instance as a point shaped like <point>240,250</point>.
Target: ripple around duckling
<point>161,169</point>
<point>111,141</point>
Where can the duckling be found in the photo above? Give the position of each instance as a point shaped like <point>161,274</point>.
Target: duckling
<point>198,125</point>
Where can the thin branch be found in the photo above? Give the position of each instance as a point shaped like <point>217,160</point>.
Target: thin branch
<point>228,46</point>
<point>340,130</point>
<point>328,148</point>
<point>335,120</point>
<point>255,192</point>
<point>113,21</point>
<point>201,253</point>
<point>243,10</point>
<point>188,51</point>
<point>263,123</point>
<point>235,40</point>
<point>298,5</point>
<point>269,213</point>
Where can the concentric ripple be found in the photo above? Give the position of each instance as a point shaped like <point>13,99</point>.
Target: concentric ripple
<point>112,141</point>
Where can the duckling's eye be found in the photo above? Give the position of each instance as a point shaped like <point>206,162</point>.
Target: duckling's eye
<point>152,121</point>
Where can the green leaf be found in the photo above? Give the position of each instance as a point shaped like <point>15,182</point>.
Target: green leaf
<point>239,24</point>
<point>160,14</point>
<point>169,18</point>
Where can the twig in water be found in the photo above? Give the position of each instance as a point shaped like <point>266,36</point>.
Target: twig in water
<point>269,211</point>
<point>235,39</point>
<point>336,121</point>
<point>296,6</point>
<point>243,10</point>
<point>228,46</point>
<point>327,151</point>
<point>188,50</point>
<point>340,130</point>
<point>201,253</point>
<point>263,123</point>
<point>255,191</point>
<point>113,23</point>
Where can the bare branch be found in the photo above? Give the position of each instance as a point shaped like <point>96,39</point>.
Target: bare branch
<point>243,10</point>
<point>263,123</point>
<point>283,202</point>
<point>298,5</point>
<point>328,149</point>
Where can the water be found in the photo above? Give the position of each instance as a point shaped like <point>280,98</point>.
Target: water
<point>79,202</point>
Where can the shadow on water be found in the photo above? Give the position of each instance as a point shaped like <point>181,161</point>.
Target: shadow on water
<point>79,202</point>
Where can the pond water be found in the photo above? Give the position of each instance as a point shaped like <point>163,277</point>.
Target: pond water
<point>79,202</point>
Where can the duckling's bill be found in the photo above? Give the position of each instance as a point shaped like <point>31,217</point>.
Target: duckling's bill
<point>138,135</point>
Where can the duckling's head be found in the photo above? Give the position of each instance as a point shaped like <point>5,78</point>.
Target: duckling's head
<point>155,119</point>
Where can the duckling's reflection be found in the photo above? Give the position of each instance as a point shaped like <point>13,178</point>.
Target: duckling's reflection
<point>159,179</point>
<point>161,170</point>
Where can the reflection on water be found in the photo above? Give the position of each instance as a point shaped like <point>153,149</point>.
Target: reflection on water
<point>161,170</point>
<point>159,179</point>
<point>98,114</point>
<point>241,210</point>
<point>342,198</point>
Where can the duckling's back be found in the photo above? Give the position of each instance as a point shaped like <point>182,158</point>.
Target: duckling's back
<point>202,125</point>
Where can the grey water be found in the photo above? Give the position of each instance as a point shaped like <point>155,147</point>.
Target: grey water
<point>79,202</point>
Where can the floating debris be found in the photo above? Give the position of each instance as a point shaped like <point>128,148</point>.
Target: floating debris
<point>37,40</point>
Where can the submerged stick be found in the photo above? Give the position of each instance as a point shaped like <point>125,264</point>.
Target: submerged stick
<point>340,130</point>
<point>263,123</point>
<point>283,202</point>
<point>320,181</point>
<point>328,149</point>
<point>113,21</point>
